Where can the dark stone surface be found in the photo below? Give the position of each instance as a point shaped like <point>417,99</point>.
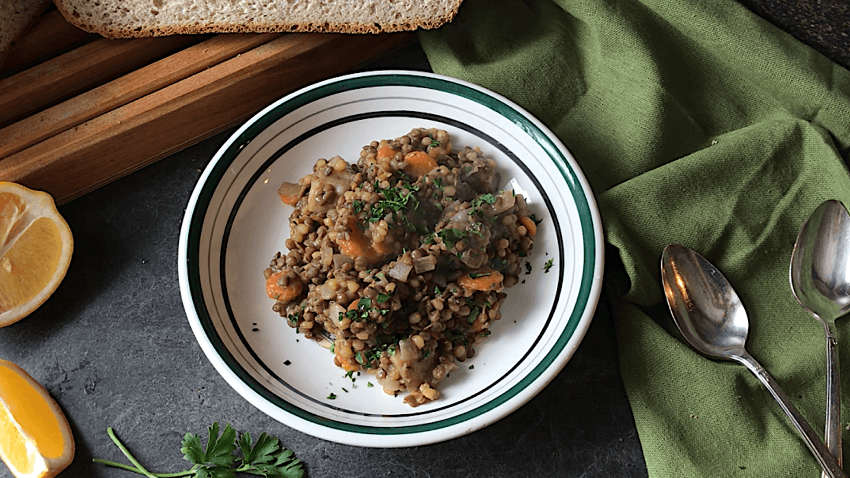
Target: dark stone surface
<point>113,346</point>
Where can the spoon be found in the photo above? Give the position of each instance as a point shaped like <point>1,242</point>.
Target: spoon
<point>712,319</point>
<point>820,280</point>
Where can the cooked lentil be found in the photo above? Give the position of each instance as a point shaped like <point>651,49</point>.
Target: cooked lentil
<point>401,258</point>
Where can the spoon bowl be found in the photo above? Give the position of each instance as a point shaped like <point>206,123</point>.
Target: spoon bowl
<point>709,313</point>
<point>820,263</point>
<point>820,280</point>
<point>711,317</point>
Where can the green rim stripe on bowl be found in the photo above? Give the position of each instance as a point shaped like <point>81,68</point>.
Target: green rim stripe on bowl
<point>348,84</point>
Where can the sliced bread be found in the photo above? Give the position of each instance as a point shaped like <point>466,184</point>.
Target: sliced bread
<point>15,17</point>
<point>146,18</point>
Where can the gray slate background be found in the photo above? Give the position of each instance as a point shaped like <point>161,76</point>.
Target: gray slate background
<point>114,348</point>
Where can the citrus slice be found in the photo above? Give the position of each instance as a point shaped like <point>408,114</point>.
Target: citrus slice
<point>35,250</point>
<point>35,438</point>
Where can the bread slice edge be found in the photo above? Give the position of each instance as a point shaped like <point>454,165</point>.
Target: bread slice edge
<point>75,12</point>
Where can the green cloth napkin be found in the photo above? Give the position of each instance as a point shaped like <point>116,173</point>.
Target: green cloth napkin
<point>699,123</point>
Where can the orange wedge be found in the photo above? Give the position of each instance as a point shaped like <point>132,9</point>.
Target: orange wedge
<point>35,438</point>
<point>35,250</point>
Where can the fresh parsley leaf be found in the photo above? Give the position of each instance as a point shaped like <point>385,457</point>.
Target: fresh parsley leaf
<point>382,298</point>
<point>259,453</point>
<point>332,396</point>
<point>219,451</point>
<point>548,265</point>
<point>220,460</point>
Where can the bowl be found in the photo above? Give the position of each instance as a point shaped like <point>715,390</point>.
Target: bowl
<point>235,222</point>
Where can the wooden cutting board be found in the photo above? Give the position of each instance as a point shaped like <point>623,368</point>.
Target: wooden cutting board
<point>78,111</point>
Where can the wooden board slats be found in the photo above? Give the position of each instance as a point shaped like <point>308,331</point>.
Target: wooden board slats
<point>100,126</point>
<point>134,85</point>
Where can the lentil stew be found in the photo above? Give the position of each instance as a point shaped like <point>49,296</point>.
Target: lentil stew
<point>398,263</point>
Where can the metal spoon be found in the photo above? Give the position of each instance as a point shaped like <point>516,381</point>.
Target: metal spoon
<point>712,319</point>
<point>820,280</point>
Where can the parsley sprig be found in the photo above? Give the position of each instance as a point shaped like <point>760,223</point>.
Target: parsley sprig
<point>219,458</point>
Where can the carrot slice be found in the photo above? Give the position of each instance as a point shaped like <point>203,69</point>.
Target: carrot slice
<point>530,226</point>
<point>484,279</point>
<point>385,151</point>
<point>290,193</point>
<point>348,364</point>
<point>381,248</point>
<point>285,293</point>
<point>357,245</point>
<point>419,163</point>
<point>291,200</point>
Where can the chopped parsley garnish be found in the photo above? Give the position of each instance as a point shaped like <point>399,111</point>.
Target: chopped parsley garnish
<point>475,275</point>
<point>332,396</point>
<point>382,298</point>
<point>474,312</point>
<point>547,266</point>
<point>485,198</point>
<point>439,183</point>
<point>451,237</point>
<point>434,142</point>
<point>357,206</point>
<point>534,218</point>
<point>396,201</point>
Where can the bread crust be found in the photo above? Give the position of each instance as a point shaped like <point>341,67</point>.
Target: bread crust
<point>16,17</point>
<point>69,9</point>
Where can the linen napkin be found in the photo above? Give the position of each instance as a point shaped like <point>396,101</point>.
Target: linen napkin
<point>699,123</point>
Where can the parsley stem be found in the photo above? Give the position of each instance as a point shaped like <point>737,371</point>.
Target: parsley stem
<point>141,472</point>
<point>138,466</point>
<point>117,465</point>
<point>126,452</point>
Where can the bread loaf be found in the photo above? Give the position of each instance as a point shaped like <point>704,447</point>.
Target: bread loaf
<point>145,18</point>
<point>15,17</point>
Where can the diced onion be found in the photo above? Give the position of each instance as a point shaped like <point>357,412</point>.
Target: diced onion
<point>340,259</point>
<point>424,264</point>
<point>400,271</point>
<point>333,312</point>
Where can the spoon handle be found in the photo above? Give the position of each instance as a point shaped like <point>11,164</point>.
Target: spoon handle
<point>832,434</point>
<point>825,459</point>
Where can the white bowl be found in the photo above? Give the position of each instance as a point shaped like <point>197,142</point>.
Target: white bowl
<point>235,222</point>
